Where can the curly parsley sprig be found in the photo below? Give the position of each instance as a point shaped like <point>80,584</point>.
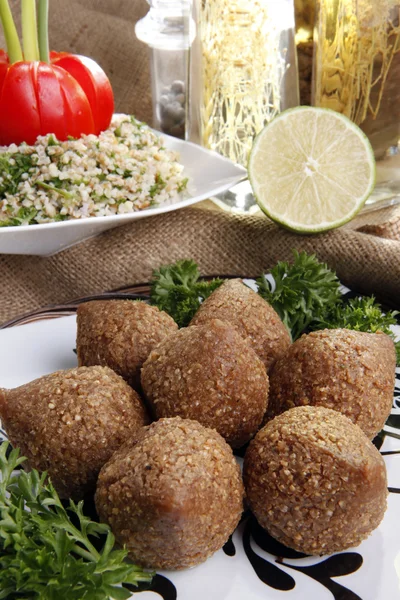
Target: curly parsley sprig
<point>44,554</point>
<point>360,314</point>
<point>305,294</point>
<point>176,289</point>
<point>302,292</point>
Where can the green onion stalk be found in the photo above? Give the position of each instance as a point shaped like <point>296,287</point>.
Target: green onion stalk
<point>43,30</point>
<point>14,49</point>
<point>29,30</point>
<point>35,32</point>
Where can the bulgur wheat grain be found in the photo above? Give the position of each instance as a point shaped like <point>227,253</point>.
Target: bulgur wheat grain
<point>124,169</point>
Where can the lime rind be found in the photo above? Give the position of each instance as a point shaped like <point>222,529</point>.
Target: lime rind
<point>358,201</point>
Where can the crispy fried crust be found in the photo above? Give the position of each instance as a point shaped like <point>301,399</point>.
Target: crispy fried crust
<point>210,374</point>
<point>70,422</point>
<point>253,318</point>
<point>120,334</point>
<point>172,495</point>
<point>315,481</point>
<point>348,371</point>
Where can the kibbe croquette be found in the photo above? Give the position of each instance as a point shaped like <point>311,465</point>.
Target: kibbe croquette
<point>314,481</point>
<point>208,373</point>
<point>347,371</point>
<point>120,334</point>
<point>252,317</point>
<point>172,495</point>
<point>70,422</point>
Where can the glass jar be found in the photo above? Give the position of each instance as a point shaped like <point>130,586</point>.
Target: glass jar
<point>168,30</point>
<point>357,73</point>
<point>243,71</point>
<point>305,18</point>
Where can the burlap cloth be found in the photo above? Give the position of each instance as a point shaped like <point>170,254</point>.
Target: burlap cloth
<point>365,253</point>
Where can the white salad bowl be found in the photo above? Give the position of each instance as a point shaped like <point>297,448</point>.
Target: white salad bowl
<point>209,174</point>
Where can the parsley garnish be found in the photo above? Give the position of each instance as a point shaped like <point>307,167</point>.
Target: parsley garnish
<point>176,289</point>
<point>138,124</point>
<point>302,291</point>
<point>25,216</point>
<point>361,314</point>
<point>158,185</point>
<point>305,294</point>
<point>182,185</point>
<point>46,555</point>
<point>12,167</point>
<point>60,217</point>
<point>52,141</point>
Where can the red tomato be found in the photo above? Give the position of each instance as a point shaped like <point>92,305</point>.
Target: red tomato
<point>4,64</point>
<point>69,97</point>
<point>94,83</point>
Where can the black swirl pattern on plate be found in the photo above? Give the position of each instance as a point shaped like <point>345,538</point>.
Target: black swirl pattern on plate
<point>392,425</point>
<point>396,395</point>
<point>323,572</point>
<point>229,547</point>
<point>159,585</point>
<point>265,570</point>
<point>392,490</point>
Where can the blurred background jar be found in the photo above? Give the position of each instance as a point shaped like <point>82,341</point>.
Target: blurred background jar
<point>305,21</point>
<point>243,71</point>
<point>168,29</point>
<point>357,73</point>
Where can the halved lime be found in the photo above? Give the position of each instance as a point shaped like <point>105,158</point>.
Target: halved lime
<point>311,169</point>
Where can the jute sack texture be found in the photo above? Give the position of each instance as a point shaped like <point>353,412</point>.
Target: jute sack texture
<point>220,242</point>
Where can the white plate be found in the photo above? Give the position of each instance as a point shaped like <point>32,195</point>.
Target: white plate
<point>209,173</point>
<point>258,570</point>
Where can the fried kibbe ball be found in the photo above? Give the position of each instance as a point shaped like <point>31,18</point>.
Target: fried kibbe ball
<point>208,373</point>
<point>347,371</point>
<point>70,422</point>
<point>252,317</point>
<point>120,334</point>
<point>314,481</point>
<point>172,495</point>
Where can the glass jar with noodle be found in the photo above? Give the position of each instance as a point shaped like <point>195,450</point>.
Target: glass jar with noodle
<point>357,73</point>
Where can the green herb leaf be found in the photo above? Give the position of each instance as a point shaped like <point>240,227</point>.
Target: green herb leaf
<point>176,289</point>
<point>44,553</point>
<point>60,217</point>
<point>52,141</point>
<point>360,314</point>
<point>305,294</point>
<point>302,293</point>
<point>12,167</point>
<point>183,185</point>
<point>25,216</point>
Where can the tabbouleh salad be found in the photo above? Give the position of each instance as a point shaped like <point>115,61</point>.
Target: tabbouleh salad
<point>124,169</point>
